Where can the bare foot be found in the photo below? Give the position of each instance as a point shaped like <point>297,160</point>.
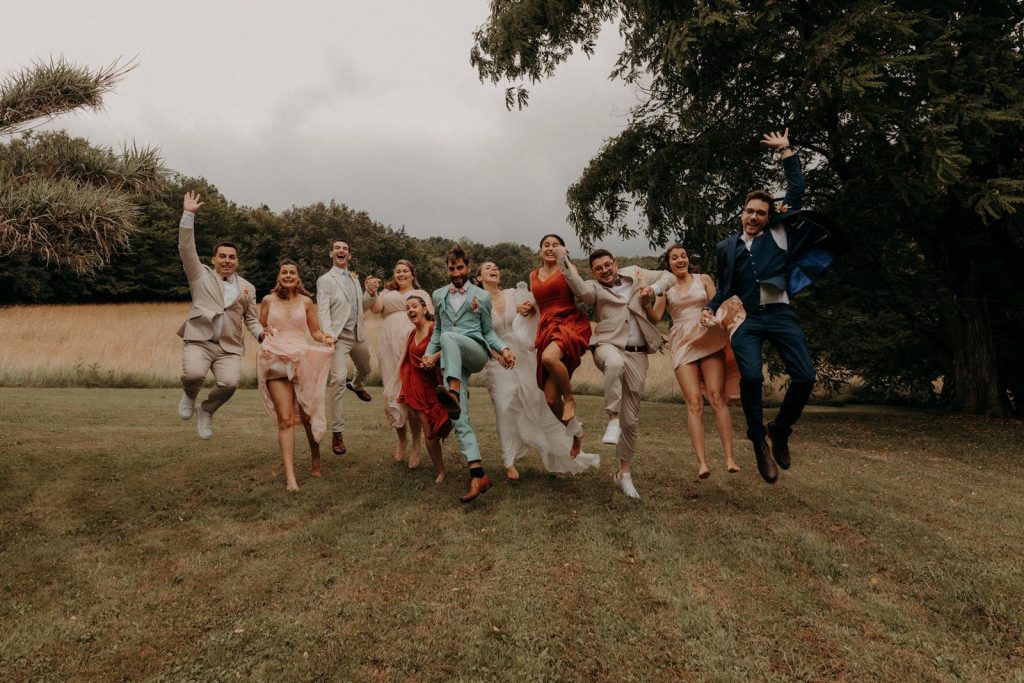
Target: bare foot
<point>439,479</point>
<point>316,465</point>
<point>732,467</point>
<point>512,473</point>
<point>292,486</point>
<point>703,472</point>
<point>415,458</point>
<point>568,410</point>
<point>577,445</point>
<point>400,452</point>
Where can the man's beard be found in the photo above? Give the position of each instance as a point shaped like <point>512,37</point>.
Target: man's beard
<point>457,281</point>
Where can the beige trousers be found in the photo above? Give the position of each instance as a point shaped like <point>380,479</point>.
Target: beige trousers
<point>360,352</point>
<point>624,376</point>
<point>199,358</point>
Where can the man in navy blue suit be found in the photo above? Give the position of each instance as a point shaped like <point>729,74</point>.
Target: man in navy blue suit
<point>756,265</point>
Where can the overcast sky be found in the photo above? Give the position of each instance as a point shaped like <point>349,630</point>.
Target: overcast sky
<point>372,103</point>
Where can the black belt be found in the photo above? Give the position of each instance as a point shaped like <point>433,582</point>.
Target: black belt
<point>769,307</point>
<point>637,349</point>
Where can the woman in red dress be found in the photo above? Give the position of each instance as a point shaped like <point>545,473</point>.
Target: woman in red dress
<point>419,384</point>
<point>563,335</point>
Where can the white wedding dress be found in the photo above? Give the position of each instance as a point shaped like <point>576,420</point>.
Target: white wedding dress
<point>523,418</point>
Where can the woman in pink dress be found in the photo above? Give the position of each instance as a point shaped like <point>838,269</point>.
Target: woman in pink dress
<point>391,343</point>
<point>563,335</point>
<point>419,384</point>
<point>700,354</point>
<point>290,370</point>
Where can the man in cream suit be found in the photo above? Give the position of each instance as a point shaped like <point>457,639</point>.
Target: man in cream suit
<point>221,302</point>
<point>462,342</point>
<point>621,342</point>
<point>340,304</point>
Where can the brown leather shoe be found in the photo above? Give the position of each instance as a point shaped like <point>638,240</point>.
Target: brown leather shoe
<point>363,394</point>
<point>338,444</point>
<point>449,400</point>
<point>477,485</point>
<point>765,462</point>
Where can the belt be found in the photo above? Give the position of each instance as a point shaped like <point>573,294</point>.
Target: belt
<point>763,308</point>
<point>636,349</point>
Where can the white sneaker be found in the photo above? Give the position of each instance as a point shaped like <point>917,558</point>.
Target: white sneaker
<point>612,432</point>
<point>186,406</point>
<point>204,423</point>
<point>625,482</point>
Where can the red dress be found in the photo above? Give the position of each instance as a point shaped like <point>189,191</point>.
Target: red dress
<point>560,322</point>
<point>419,387</point>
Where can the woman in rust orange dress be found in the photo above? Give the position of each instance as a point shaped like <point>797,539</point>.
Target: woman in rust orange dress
<point>563,335</point>
<point>419,384</point>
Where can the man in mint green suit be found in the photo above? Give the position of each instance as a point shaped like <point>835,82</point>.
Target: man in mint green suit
<point>462,340</point>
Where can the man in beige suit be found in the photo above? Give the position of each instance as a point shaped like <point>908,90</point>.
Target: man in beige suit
<point>221,302</point>
<point>621,342</point>
<point>340,304</point>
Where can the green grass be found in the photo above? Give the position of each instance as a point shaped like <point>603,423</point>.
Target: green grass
<point>130,549</point>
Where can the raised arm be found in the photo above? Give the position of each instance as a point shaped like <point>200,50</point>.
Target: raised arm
<point>585,291</point>
<point>795,185</point>
<point>187,237</point>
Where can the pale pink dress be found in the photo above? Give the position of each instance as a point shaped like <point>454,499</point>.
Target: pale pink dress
<point>690,341</point>
<point>391,345</point>
<point>288,354</point>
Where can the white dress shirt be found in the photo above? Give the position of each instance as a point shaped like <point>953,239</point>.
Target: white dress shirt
<point>623,289</point>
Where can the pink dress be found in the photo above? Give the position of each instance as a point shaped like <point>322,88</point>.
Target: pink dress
<point>391,345</point>
<point>690,341</point>
<point>288,354</point>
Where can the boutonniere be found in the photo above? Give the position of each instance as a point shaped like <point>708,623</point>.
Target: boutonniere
<point>475,304</point>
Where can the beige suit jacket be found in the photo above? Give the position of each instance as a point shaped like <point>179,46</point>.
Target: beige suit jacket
<point>333,307</point>
<point>208,301</point>
<point>613,311</point>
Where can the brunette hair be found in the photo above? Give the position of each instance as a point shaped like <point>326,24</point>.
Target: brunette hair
<point>668,253</point>
<point>551,234</point>
<point>598,253</point>
<point>764,197</point>
<point>454,254</point>
<point>392,284</point>
<point>479,271</point>
<point>282,293</point>
<point>427,315</point>
<point>224,244</point>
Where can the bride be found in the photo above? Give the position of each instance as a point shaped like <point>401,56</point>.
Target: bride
<point>521,410</point>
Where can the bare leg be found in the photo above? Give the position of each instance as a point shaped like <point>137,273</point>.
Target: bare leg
<point>314,447</point>
<point>282,394</point>
<point>713,369</point>
<point>552,357</point>
<point>415,454</point>
<point>553,397</point>
<point>688,376</point>
<point>402,442</point>
<point>418,421</point>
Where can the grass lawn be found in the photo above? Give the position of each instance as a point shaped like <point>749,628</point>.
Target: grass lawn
<point>130,549</point>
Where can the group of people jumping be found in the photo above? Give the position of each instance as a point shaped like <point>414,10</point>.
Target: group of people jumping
<point>528,340</point>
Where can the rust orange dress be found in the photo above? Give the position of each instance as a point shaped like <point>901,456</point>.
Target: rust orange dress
<point>561,321</point>
<point>419,387</point>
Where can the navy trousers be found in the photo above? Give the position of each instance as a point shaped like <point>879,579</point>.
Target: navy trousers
<point>778,325</point>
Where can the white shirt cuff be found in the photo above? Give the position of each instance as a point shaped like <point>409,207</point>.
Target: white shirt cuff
<point>188,220</point>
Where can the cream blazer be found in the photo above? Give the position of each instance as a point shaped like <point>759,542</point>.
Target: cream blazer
<point>333,307</point>
<point>613,311</point>
<point>208,301</point>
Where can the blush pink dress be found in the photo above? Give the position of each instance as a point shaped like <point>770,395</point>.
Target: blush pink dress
<point>690,341</point>
<point>288,354</point>
<point>391,346</point>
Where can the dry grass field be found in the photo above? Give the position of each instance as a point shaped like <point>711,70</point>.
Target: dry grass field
<point>136,345</point>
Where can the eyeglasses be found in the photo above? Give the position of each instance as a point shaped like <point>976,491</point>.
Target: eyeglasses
<point>760,213</point>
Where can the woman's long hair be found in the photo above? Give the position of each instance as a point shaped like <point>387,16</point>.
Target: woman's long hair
<point>391,284</point>
<point>281,292</point>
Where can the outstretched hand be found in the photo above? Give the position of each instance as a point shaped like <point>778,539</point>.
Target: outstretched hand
<point>776,140</point>
<point>191,203</point>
